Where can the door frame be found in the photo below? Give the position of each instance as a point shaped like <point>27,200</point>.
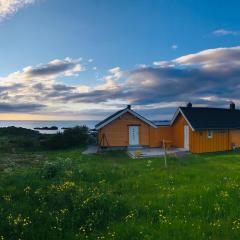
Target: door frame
<point>186,140</point>
<point>138,131</point>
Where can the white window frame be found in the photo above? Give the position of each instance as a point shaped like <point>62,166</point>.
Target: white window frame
<point>210,134</point>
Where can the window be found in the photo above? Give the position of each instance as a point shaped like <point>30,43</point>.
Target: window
<point>210,134</point>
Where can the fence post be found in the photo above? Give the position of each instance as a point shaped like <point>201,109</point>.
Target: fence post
<point>165,153</point>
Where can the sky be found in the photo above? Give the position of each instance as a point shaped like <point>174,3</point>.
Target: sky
<point>86,59</point>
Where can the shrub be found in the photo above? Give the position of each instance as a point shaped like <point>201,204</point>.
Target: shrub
<point>92,137</point>
<point>52,169</point>
<point>13,139</point>
<point>54,141</point>
<point>77,136</point>
<point>49,170</point>
<point>18,131</point>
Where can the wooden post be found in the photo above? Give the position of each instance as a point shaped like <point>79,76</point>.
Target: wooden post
<point>165,153</point>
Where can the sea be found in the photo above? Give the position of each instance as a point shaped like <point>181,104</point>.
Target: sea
<point>60,124</point>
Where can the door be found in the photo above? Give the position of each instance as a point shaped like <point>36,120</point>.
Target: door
<point>186,137</point>
<point>133,135</point>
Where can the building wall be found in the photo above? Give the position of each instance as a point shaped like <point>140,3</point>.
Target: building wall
<point>158,134</point>
<point>201,143</point>
<point>234,136</point>
<point>178,132</point>
<point>116,133</point>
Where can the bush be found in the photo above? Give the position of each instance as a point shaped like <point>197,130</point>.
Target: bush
<point>18,131</point>
<point>13,139</point>
<point>77,136</point>
<point>54,141</point>
<point>52,169</point>
<point>93,137</point>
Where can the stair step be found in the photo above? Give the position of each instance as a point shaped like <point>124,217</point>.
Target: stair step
<point>135,147</point>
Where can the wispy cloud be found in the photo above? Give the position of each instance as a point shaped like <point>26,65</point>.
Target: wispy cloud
<point>174,46</point>
<point>20,107</point>
<point>32,85</point>
<point>225,32</point>
<point>207,78</point>
<point>9,7</point>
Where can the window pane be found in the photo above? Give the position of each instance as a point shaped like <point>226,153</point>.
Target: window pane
<point>210,133</point>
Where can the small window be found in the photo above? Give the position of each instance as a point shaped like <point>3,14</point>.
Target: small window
<point>210,134</point>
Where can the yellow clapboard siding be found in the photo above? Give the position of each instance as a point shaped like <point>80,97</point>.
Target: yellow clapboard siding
<point>235,137</point>
<point>116,134</point>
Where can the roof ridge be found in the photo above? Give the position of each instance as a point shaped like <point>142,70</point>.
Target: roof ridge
<point>109,117</point>
<point>119,113</point>
<point>212,118</point>
<point>209,108</point>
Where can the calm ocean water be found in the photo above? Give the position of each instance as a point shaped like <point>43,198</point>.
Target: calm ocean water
<point>59,124</point>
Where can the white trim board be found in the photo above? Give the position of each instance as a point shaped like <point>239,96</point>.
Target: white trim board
<point>175,116</point>
<point>123,112</point>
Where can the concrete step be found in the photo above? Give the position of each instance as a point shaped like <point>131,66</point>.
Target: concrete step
<point>137,147</point>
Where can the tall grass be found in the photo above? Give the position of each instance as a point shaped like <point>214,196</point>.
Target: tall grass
<point>109,196</point>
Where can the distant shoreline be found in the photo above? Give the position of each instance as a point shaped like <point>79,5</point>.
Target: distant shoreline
<point>60,124</point>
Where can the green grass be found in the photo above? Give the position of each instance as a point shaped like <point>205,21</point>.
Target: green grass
<point>65,195</point>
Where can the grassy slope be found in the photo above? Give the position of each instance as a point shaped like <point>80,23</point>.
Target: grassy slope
<point>113,197</point>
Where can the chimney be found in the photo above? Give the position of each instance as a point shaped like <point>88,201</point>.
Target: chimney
<point>129,106</point>
<point>232,106</point>
<point>189,105</point>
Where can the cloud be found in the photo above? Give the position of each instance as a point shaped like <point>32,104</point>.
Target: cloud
<point>174,46</point>
<point>9,7</point>
<point>224,32</point>
<point>39,84</point>
<point>218,58</point>
<point>20,107</point>
<point>116,73</point>
<point>206,78</point>
<point>55,68</point>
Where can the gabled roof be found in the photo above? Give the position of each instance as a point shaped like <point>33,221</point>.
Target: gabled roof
<point>120,113</point>
<point>202,118</point>
<point>161,122</point>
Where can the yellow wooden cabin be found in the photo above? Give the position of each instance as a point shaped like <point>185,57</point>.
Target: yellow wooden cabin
<point>196,129</point>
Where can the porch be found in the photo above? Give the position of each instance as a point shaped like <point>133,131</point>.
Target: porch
<point>147,152</point>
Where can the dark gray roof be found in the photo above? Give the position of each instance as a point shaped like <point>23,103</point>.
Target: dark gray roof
<point>202,118</point>
<point>108,118</point>
<point>119,113</point>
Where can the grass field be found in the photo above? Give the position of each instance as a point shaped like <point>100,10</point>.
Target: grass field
<point>65,195</point>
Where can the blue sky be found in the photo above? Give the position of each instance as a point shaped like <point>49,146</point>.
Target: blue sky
<point>78,42</point>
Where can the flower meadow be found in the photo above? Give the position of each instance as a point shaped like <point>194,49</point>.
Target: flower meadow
<point>109,196</point>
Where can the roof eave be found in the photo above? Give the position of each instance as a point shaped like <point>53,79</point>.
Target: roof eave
<point>179,110</point>
<point>123,112</point>
<point>218,128</point>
